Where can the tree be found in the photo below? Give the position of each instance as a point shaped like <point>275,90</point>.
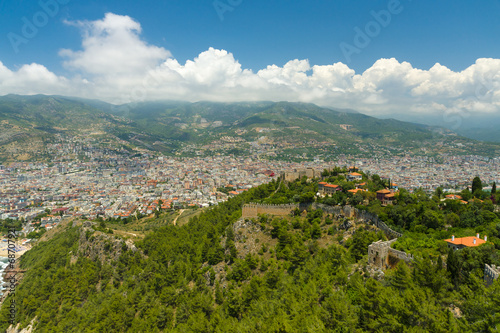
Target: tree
<point>401,278</point>
<point>439,192</point>
<point>315,231</point>
<point>453,266</point>
<point>476,185</point>
<point>494,188</point>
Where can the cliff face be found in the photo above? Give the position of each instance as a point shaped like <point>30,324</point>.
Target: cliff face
<point>97,245</point>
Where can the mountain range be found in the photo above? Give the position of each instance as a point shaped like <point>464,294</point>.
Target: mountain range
<point>28,123</point>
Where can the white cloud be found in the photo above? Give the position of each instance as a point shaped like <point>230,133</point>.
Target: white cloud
<point>113,45</point>
<point>116,65</point>
<point>32,79</point>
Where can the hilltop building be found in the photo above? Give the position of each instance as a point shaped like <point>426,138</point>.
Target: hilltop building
<point>460,243</point>
<point>354,176</point>
<point>385,196</point>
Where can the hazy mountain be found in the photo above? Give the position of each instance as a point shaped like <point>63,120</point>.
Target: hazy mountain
<point>28,122</point>
<point>474,126</point>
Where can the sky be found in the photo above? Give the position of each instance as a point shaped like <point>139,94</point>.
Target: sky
<point>378,57</point>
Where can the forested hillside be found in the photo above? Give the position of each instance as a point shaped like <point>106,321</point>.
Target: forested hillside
<point>306,272</point>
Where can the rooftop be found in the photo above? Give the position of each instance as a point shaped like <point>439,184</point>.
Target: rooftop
<point>466,241</point>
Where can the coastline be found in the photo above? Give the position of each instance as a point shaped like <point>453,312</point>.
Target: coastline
<point>6,270</point>
<point>4,252</point>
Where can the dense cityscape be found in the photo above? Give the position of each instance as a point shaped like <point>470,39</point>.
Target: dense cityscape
<point>117,185</point>
<point>249,166</point>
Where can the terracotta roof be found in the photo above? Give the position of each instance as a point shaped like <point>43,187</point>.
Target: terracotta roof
<point>384,191</point>
<point>466,241</point>
<point>331,185</point>
<point>355,174</point>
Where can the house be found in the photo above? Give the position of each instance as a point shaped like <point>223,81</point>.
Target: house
<point>354,176</point>
<point>330,189</point>
<point>382,193</point>
<point>460,243</point>
<point>389,199</point>
<point>386,196</point>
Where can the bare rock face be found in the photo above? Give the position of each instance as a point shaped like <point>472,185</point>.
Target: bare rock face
<point>97,245</point>
<point>244,234</point>
<point>131,246</point>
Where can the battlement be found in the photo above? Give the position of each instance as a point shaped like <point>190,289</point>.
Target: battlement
<point>291,176</point>
<point>382,255</point>
<point>362,215</point>
<point>255,209</point>
<point>491,273</point>
<point>400,255</point>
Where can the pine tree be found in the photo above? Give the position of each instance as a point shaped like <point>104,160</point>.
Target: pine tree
<point>494,188</point>
<point>453,266</point>
<point>402,277</point>
<point>476,184</point>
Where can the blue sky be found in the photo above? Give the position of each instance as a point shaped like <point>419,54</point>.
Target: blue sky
<point>418,57</point>
<point>260,33</point>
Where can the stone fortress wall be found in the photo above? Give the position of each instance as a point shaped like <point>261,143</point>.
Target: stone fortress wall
<point>254,210</point>
<point>360,215</point>
<point>491,273</point>
<point>380,253</point>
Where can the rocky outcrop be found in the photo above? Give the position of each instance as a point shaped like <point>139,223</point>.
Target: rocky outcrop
<point>244,237</point>
<point>97,245</point>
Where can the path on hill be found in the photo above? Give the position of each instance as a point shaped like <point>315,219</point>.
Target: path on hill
<point>180,213</point>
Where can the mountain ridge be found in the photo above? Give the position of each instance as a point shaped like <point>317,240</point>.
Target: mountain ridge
<point>176,127</point>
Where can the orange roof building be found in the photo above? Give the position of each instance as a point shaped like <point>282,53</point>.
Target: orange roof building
<point>453,197</point>
<point>460,243</point>
<point>331,188</point>
<point>354,176</point>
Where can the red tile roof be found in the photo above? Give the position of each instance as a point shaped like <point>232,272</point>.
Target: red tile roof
<point>466,241</point>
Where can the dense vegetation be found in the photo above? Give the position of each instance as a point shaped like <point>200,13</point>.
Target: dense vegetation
<point>308,273</point>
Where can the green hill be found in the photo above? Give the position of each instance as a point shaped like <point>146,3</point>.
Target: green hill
<point>221,273</point>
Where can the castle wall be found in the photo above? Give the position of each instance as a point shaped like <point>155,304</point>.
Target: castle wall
<point>491,273</point>
<point>400,255</point>
<point>378,253</point>
<point>254,210</point>
<point>348,211</point>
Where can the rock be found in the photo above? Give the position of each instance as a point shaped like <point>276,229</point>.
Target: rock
<point>88,224</point>
<point>130,245</point>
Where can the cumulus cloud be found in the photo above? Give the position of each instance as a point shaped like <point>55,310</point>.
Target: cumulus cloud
<point>112,45</point>
<point>116,65</point>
